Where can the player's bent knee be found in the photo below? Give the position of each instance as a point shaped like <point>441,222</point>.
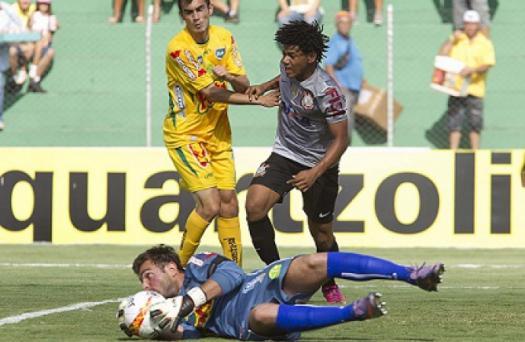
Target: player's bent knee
<point>314,262</point>
<point>229,210</point>
<point>229,204</point>
<point>263,317</point>
<point>209,209</point>
<point>212,209</point>
<point>255,210</point>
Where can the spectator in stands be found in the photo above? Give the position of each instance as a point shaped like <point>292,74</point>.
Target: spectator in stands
<point>344,63</point>
<point>477,52</point>
<point>24,9</point>
<point>351,5</point>
<point>229,10</point>
<point>44,22</point>
<point>21,54</point>
<point>9,23</point>
<point>118,7</point>
<point>307,10</point>
<point>481,6</point>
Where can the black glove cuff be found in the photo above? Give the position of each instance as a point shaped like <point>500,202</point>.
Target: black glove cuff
<point>187,306</point>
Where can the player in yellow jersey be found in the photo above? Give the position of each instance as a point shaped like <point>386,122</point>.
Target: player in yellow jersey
<point>201,61</point>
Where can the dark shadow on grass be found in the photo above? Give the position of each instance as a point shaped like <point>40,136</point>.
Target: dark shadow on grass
<point>369,132</point>
<point>493,7</point>
<point>370,10</point>
<point>437,135</point>
<point>167,6</point>
<point>12,92</point>
<point>444,10</point>
<point>10,98</point>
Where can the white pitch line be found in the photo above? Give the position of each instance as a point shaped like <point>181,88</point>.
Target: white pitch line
<point>72,307</point>
<point>106,266</point>
<point>488,266</point>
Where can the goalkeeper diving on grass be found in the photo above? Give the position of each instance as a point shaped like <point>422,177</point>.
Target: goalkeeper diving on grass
<point>213,296</point>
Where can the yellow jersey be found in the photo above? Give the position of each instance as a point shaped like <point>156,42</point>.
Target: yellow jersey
<point>474,53</point>
<point>191,117</point>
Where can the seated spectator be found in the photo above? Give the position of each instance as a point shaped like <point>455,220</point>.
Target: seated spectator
<point>230,12</point>
<point>20,54</point>
<point>307,10</point>
<point>44,22</point>
<point>9,23</point>
<point>344,63</point>
<point>459,7</point>
<point>378,11</point>
<point>118,7</point>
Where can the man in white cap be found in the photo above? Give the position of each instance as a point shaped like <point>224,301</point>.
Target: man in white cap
<point>459,7</point>
<point>477,52</point>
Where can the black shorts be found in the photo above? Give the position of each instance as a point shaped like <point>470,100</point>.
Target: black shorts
<point>470,107</point>
<point>318,201</point>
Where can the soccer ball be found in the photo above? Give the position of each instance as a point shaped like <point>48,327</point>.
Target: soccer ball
<point>134,314</point>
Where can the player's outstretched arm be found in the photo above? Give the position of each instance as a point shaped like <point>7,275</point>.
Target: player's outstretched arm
<point>225,278</point>
<point>257,90</point>
<point>216,94</point>
<point>239,83</point>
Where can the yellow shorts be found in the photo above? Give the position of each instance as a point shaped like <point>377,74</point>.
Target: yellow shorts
<point>203,166</point>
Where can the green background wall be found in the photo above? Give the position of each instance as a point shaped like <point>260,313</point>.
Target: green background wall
<point>97,92</point>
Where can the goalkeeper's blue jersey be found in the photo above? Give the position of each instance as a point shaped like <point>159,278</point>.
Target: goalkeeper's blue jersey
<point>228,315</point>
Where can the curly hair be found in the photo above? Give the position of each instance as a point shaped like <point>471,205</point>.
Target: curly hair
<point>160,255</point>
<point>307,37</point>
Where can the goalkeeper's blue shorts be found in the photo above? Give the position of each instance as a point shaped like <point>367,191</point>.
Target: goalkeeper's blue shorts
<point>232,312</point>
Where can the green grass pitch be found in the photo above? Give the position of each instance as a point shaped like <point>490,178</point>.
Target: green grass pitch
<point>482,297</point>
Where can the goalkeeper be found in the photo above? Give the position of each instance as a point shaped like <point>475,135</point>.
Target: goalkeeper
<point>220,299</point>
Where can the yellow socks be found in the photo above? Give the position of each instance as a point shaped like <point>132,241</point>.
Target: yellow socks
<point>195,227</point>
<point>229,230</point>
<point>229,236</point>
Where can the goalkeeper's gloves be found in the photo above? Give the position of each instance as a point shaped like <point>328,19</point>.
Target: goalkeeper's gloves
<point>165,315</point>
<point>194,298</point>
<point>121,323</point>
<point>170,313</point>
